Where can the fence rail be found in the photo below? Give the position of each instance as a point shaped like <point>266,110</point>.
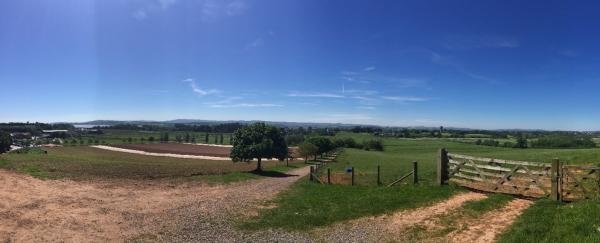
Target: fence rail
<point>532,179</point>
<point>347,177</point>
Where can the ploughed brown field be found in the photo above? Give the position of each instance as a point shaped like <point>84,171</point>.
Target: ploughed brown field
<point>185,149</point>
<point>175,148</point>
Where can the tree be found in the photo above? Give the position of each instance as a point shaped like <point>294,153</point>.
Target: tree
<point>187,137</point>
<point>221,139</point>
<point>521,141</point>
<point>258,141</point>
<point>151,139</point>
<point>216,141</point>
<point>307,149</point>
<point>5,142</point>
<point>206,138</point>
<point>323,144</point>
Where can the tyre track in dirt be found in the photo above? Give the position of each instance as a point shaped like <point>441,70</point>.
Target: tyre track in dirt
<point>487,227</point>
<point>391,227</point>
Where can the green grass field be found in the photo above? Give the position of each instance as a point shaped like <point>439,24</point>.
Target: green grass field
<point>310,205</point>
<point>396,159</point>
<point>88,162</point>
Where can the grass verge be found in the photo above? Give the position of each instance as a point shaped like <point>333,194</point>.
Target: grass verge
<point>549,221</point>
<point>308,205</point>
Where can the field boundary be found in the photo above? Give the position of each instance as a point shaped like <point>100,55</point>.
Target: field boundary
<point>530,179</point>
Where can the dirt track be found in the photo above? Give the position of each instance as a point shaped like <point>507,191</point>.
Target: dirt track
<point>50,210</point>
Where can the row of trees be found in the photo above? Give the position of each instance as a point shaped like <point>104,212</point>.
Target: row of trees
<point>316,146</point>
<point>564,141</point>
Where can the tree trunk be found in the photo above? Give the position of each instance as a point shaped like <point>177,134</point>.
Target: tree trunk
<point>306,159</point>
<point>258,165</point>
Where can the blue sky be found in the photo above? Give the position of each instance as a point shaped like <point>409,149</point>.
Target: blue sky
<point>477,64</point>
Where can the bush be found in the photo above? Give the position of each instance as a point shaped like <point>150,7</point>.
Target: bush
<point>346,143</point>
<point>564,141</point>
<point>373,144</point>
<point>5,142</point>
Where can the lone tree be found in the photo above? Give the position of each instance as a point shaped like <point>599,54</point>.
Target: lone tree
<point>258,141</point>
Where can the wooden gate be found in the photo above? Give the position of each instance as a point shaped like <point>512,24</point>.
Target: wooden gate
<point>531,179</point>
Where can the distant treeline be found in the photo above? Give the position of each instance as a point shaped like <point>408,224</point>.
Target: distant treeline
<point>564,141</point>
<point>33,128</point>
<point>553,141</point>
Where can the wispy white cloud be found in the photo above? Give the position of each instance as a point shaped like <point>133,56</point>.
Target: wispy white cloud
<point>344,118</point>
<point>405,98</point>
<point>143,11</point>
<point>256,43</point>
<point>443,60</point>
<point>315,95</point>
<point>466,42</point>
<point>235,102</point>
<point>235,8</point>
<point>480,77</point>
<point>216,9</point>
<point>369,69</point>
<point>366,107</point>
<point>194,86</point>
<point>247,105</point>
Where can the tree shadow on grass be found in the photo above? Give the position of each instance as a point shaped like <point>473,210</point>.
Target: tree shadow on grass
<point>269,173</point>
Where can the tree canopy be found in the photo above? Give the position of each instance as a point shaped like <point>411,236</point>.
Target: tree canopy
<point>307,149</point>
<point>5,142</point>
<point>324,144</point>
<point>258,141</point>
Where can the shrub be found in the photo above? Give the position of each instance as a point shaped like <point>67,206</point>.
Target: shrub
<point>373,144</point>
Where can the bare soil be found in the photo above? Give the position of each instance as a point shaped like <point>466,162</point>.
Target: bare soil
<point>34,210</point>
<point>491,224</point>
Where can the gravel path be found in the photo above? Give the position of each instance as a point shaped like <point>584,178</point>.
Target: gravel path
<point>68,211</point>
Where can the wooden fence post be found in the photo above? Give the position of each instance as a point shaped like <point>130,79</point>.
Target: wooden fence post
<point>442,167</point>
<point>378,175</point>
<point>328,175</point>
<point>415,174</point>
<point>353,175</point>
<point>311,173</point>
<point>555,193</point>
